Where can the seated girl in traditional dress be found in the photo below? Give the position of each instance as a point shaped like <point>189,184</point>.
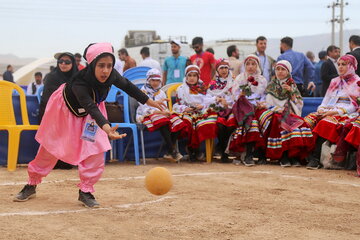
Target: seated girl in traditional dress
<point>221,90</point>
<point>249,93</point>
<point>169,125</point>
<point>288,137</point>
<point>350,141</point>
<point>338,107</point>
<point>192,106</point>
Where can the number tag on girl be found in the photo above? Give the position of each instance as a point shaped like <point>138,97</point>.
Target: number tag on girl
<point>89,131</point>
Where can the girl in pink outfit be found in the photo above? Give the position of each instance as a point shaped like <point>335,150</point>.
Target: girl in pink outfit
<point>74,127</point>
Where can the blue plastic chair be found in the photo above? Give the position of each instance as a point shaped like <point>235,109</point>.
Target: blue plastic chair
<point>137,76</point>
<point>310,105</point>
<point>113,97</point>
<point>39,93</point>
<point>112,94</point>
<point>136,73</point>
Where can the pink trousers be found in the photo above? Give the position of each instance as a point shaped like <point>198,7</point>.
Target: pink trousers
<point>90,169</point>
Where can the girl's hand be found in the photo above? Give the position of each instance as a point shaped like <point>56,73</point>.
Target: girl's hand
<point>165,113</point>
<point>163,100</point>
<point>286,87</point>
<point>199,107</point>
<point>260,105</point>
<point>188,110</point>
<point>311,86</point>
<point>222,101</point>
<point>157,104</point>
<point>330,113</point>
<point>320,112</point>
<point>112,133</point>
<point>279,110</point>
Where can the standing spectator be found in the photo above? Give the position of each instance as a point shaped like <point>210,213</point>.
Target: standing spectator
<point>329,69</point>
<point>147,60</point>
<point>174,66</point>
<point>235,64</point>
<point>78,61</point>
<point>302,69</point>
<point>310,55</point>
<point>204,60</point>
<point>34,86</point>
<point>119,66</point>
<point>354,45</point>
<point>266,62</point>
<point>8,74</point>
<point>129,61</point>
<point>210,50</point>
<point>317,77</point>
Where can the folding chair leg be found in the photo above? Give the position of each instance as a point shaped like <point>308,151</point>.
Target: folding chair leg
<point>209,149</point>
<point>119,145</point>
<point>136,145</point>
<point>142,146</point>
<point>113,150</point>
<point>128,144</point>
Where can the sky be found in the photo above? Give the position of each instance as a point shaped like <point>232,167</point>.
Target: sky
<point>40,28</point>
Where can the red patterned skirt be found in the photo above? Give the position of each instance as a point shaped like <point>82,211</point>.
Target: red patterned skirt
<point>353,137</point>
<point>229,121</point>
<point>199,127</point>
<point>243,135</point>
<point>328,126</point>
<point>155,121</point>
<point>298,142</point>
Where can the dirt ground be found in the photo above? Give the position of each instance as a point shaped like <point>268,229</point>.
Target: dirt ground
<point>208,201</point>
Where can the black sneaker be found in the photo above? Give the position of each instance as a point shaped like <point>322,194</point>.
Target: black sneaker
<point>192,157</point>
<point>262,161</point>
<point>26,193</point>
<point>313,164</point>
<point>224,158</point>
<point>284,162</point>
<point>200,156</point>
<point>295,162</point>
<point>88,199</point>
<point>177,156</point>
<point>191,153</point>
<point>248,161</point>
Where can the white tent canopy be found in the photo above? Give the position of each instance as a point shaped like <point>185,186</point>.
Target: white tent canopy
<point>25,74</point>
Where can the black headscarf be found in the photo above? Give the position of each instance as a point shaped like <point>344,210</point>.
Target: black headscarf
<point>87,75</point>
<point>65,76</point>
<point>54,79</point>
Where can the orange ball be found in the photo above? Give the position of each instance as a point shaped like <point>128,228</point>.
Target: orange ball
<point>158,181</point>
